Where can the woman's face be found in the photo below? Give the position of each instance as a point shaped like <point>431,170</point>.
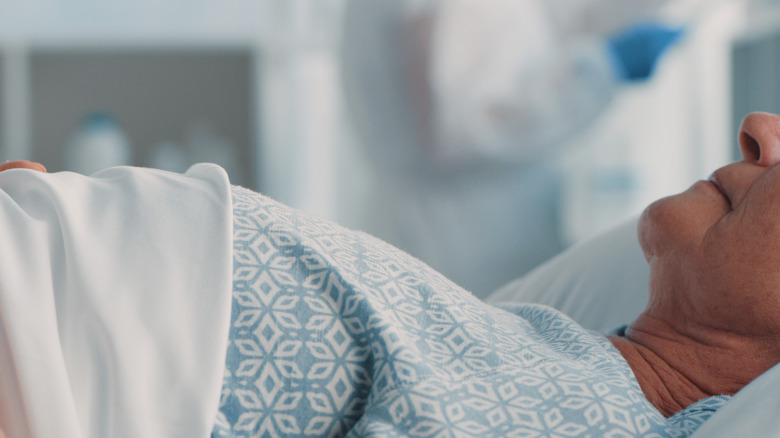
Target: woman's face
<point>714,250</point>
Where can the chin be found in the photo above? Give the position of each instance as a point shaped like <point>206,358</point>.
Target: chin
<point>675,222</point>
<point>647,226</point>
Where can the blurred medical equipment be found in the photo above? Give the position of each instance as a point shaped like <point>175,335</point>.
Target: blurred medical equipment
<point>462,105</point>
<point>98,142</point>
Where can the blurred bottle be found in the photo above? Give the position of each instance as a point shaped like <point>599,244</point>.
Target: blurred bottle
<point>98,143</point>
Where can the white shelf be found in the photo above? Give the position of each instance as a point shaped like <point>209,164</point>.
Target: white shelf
<point>156,91</point>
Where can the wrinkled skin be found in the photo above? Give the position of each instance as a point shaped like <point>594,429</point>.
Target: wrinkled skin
<point>712,323</point>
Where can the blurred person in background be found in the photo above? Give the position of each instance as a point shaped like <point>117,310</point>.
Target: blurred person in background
<point>461,106</point>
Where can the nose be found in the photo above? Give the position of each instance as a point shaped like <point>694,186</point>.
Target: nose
<point>759,139</point>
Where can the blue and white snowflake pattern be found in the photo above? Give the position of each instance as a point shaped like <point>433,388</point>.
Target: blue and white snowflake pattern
<point>336,333</point>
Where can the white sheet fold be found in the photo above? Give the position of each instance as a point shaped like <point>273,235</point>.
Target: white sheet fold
<point>114,302</point>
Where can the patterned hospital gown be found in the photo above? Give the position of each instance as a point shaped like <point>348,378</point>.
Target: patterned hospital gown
<point>337,333</point>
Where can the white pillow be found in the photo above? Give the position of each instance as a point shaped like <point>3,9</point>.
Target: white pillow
<point>601,283</point>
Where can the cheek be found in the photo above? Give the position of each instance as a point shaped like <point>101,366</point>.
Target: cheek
<point>743,276</point>
<point>746,243</point>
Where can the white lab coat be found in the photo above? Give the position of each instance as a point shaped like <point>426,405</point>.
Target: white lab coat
<point>461,105</point>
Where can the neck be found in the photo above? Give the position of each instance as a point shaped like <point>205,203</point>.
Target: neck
<point>667,388</point>
<point>675,370</point>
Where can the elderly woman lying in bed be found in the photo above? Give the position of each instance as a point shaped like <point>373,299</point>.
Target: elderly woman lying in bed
<point>118,317</point>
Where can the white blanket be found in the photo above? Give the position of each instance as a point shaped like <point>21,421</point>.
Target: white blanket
<point>114,302</point>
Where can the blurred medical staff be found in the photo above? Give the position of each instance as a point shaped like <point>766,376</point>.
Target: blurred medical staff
<point>461,104</point>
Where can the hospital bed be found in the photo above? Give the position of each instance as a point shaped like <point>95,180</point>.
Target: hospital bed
<point>603,284</point>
